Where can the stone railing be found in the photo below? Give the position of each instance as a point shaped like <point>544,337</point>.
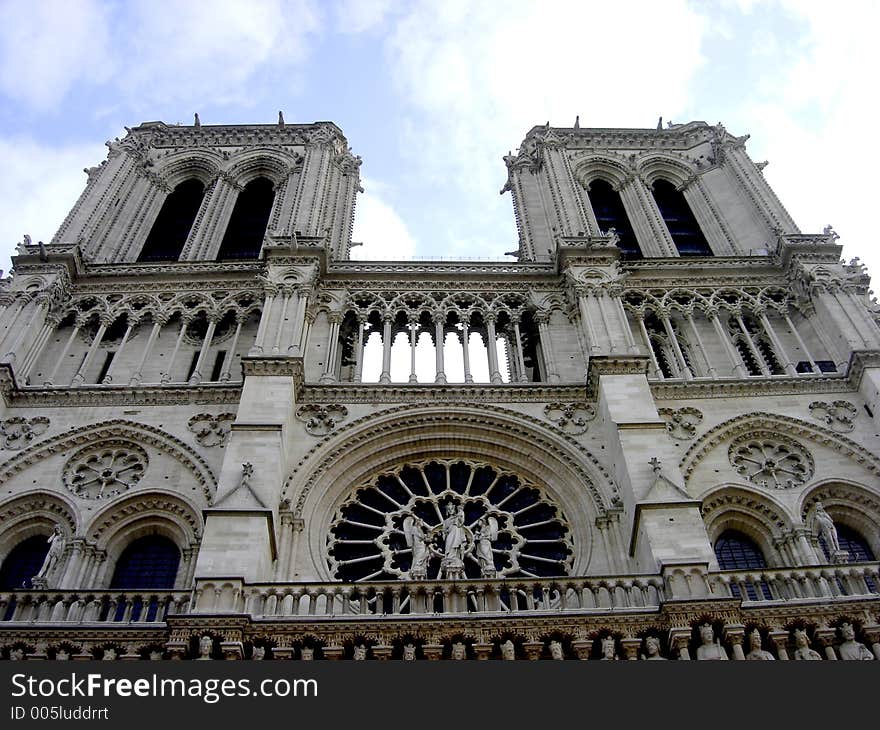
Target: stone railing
<point>91,607</point>
<point>784,585</point>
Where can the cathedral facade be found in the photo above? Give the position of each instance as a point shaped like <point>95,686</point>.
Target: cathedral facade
<point>653,433</point>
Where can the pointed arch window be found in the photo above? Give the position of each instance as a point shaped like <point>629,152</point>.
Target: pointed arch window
<point>23,563</point>
<point>610,213</point>
<point>250,217</point>
<point>680,220</point>
<point>735,551</point>
<point>172,226</point>
<point>148,563</point>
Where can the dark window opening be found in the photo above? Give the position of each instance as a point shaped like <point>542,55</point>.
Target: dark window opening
<point>826,366</point>
<point>851,541</point>
<point>218,365</point>
<point>748,358</point>
<point>23,563</point>
<point>247,226</point>
<point>610,213</point>
<point>679,219</point>
<point>108,360</point>
<point>192,366</point>
<point>173,224</point>
<point>148,563</point>
<point>735,551</point>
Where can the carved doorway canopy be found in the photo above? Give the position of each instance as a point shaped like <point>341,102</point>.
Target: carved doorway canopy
<point>367,539</point>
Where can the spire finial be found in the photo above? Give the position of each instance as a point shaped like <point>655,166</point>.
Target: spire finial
<point>280,119</point>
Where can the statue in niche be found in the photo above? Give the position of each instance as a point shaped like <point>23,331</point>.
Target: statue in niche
<point>755,650</point>
<point>155,655</point>
<point>508,650</point>
<point>109,654</point>
<point>258,654</point>
<point>418,539</point>
<point>459,651</point>
<point>16,655</point>
<point>409,652</point>
<point>711,648</point>
<point>307,654</point>
<point>850,649</point>
<point>206,646</point>
<point>652,646</point>
<point>56,548</point>
<point>827,529</point>
<point>486,533</point>
<point>803,651</point>
<point>360,653</point>
<point>62,655</point>
<point>608,653</point>
<point>556,650</point>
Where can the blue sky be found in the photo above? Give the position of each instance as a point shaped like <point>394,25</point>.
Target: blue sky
<point>431,95</point>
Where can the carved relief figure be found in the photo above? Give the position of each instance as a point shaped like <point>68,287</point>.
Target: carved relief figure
<point>755,650</point>
<point>710,649</point>
<point>652,646</point>
<point>459,651</point>
<point>206,645</point>
<point>454,540</point>
<point>508,651</point>
<point>850,649</point>
<point>803,651</point>
<point>56,548</point>
<point>258,653</point>
<point>307,654</point>
<point>486,533</point>
<point>360,653</point>
<point>608,649</point>
<point>827,529</point>
<point>409,653</point>
<point>415,531</point>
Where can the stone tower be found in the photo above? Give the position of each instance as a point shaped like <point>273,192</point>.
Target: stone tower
<point>216,439</point>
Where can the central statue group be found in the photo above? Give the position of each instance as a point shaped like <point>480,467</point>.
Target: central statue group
<point>459,541</point>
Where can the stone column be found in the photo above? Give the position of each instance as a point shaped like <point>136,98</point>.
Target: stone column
<point>547,347</point>
<point>518,349</point>
<point>61,358</point>
<point>36,319</point>
<point>302,298</point>
<point>439,343</point>
<point>257,349</point>
<point>167,375</point>
<point>589,330</point>
<point>148,348</point>
<point>227,366</point>
<point>710,370</point>
<point>359,351</point>
<point>465,351</point>
<point>196,376</point>
<point>759,358</point>
<point>801,344</point>
<point>80,376</point>
<point>776,342</point>
<point>413,337</point>
<point>329,375</point>
<point>658,373</point>
<point>387,319</point>
<point>739,369</point>
<point>676,348</point>
<point>279,329</point>
<point>108,376</point>
<point>492,349</point>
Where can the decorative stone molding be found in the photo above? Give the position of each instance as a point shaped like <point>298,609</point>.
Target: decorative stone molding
<point>572,418</point>
<point>211,429</point>
<point>18,432</point>
<point>774,424</point>
<point>771,460</point>
<point>681,423</point>
<point>165,506</point>
<point>105,470</point>
<point>839,415</point>
<point>321,420</point>
<point>118,429</point>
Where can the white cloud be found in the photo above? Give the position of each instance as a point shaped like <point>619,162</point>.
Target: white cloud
<point>46,47</point>
<point>46,185</point>
<point>379,228</point>
<point>360,16</point>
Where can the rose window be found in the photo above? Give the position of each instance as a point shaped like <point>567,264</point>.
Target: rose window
<point>105,471</point>
<point>771,460</point>
<point>448,519</point>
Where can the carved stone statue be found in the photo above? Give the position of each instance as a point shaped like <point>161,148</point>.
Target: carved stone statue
<point>652,646</point>
<point>409,652</point>
<point>155,655</point>
<point>307,654</point>
<point>258,653</point>
<point>360,653</point>
<point>417,537</point>
<point>710,649</point>
<point>109,654</point>
<point>56,548</point>
<point>827,529</point>
<point>16,655</point>
<point>556,650</point>
<point>485,535</point>
<point>508,651</point>
<point>803,651</point>
<point>850,649</point>
<point>454,541</point>
<point>608,653</point>
<point>206,646</point>
<point>459,651</point>
<point>62,656</point>
<point>755,650</point>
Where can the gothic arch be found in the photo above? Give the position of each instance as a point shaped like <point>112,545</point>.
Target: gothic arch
<point>261,162</point>
<point>34,513</point>
<point>523,445</point>
<point>774,421</point>
<point>604,167</point>
<point>201,164</point>
<point>848,503</point>
<point>756,515</point>
<point>113,430</point>
<point>653,167</point>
